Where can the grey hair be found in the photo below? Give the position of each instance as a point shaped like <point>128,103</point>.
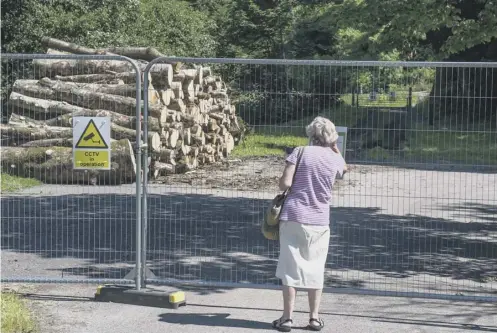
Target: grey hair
<point>322,132</point>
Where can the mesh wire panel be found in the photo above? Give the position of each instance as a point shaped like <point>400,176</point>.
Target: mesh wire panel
<point>59,224</point>
<point>416,213</point>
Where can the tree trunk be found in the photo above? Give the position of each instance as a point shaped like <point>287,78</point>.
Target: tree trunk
<point>161,169</point>
<point>53,67</point>
<point>66,91</point>
<point>127,78</point>
<point>39,109</point>
<point>119,132</point>
<point>53,165</point>
<point>17,135</point>
<point>116,118</point>
<point>57,142</point>
<point>18,120</point>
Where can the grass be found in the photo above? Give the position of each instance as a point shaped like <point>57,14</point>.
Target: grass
<point>16,317</point>
<point>423,145</point>
<point>382,100</point>
<point>267,145</point>
<point>475,148</point>
<point>11,183</point>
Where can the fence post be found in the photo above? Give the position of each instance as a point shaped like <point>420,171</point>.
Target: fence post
<point>128,279</point>
<point>409,100</point>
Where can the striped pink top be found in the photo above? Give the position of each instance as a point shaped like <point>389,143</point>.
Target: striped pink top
<point>310,196</point>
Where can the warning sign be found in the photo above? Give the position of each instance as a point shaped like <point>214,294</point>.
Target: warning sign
<point>91,137</point>
<point>91,159</point>
<point>91,143</point>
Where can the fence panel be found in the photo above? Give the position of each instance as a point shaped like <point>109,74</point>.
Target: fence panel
<point>61,224</point>
<point>416,214</point>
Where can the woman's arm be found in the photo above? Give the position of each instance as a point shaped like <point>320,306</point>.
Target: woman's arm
<point>334,147</point>
<point>287,177</point>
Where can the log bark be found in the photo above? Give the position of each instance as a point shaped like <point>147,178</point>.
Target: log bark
<point>162,75</point>
<point>57,142</point>
<point>127,78</point>
<point>53,67</point>
<point>17,135</point>
<point>119,132</point>
<point>167,156</point>
<point>127,90</point>
<point>177,105</point>
<point>65,91</point>
<point>161,169</point>
<point>53,165</point>
<point>189,90</point>
<point>39,109</point>
<point>18,120</point>
<point>117,118</point>
<point>177,89</point>
<point>166,96</point>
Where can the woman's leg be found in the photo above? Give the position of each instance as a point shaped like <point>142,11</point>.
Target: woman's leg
<point>314,296</point>
<point>289,294</point>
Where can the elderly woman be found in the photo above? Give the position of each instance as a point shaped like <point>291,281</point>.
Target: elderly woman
<point>305,218</point>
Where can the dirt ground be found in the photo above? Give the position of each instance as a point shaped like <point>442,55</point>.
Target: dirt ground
<point>248,174</point>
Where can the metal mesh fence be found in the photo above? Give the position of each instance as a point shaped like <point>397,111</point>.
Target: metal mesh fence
<point>417,213</point>
<point>59,223</point>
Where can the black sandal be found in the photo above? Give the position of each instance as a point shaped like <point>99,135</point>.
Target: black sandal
<point>316,324</point>
<point>283,325</point>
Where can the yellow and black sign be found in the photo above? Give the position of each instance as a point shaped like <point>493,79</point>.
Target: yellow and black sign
<point>91,143</point>
<point>91,138</point>
<point>97,159</point>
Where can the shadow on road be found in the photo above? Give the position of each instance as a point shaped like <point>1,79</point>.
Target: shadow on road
<point>215,320</point>
<point>218,239</point>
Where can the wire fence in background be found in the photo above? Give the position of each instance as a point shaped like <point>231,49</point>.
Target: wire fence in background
<point>61,224</point>
<point>417,213</point>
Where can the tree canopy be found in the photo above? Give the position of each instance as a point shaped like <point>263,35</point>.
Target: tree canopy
<point>456,30</point>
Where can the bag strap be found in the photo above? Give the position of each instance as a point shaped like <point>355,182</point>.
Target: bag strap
<point>299,156</point>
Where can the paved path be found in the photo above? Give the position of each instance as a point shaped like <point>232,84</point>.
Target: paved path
<point>67,308</point>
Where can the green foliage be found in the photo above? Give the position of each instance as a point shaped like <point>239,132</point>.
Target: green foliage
<point>174,29</point>
<point>392,30</point>
<point>11,183</point>
<point>16,317</point>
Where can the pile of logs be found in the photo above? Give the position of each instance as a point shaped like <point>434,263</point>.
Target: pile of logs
<point>191,119</point>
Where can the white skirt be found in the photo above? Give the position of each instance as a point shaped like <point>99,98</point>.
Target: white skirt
<point>303,253</point>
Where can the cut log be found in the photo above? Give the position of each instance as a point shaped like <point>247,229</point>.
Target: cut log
<point>173,137</point>
<point>18,120</point>
<point>189,90</point>
<point>162,75</point>
<point>206,71</point>
<point>188,74</point>
<point>177,105</point>
<point>65,91</point>
<point>53,67</point>
<point>186,136</point>
<point>17,135</point>
<point>161,169</point>
<point>116,118</point>
<point>229,144</point>
<point>126,90</point>
<point>54,165</point>
<point>119,132</point>
<point>166,96</point>
<point>58,142</point>
<point>200,75</point>
<point>127,78</point>
<point>177,88</point>
<point>167,156</point>
<point>39,109</point>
